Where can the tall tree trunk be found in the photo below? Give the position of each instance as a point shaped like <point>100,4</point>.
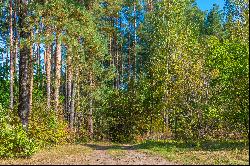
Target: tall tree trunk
<point>113,53</point>
<point>150,5</point>
<point>31,73</point>
<point>38,65</point>
<point>58,72</point>
<point>129,57</point>
<point>6,74</point>
<point>16,41</point>
<point>77,99</point>
<point>72,105</point>
<point>90,116</point>
<point>69,86</point>
<point>110,50</point>
<point>48,72</point>
<point>121,66</point>
<point>134,43</point>
<point>116,63</point>
<point>121,59</point>
<point>12,69</point>
<point>24,88</point>
<point>117,59</point>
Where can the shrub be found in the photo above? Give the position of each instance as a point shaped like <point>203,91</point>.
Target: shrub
<point>46,127</point>
<point>14,141</point>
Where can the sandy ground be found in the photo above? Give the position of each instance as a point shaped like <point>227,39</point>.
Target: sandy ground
<point>89,154</point>
<point>126,156</point>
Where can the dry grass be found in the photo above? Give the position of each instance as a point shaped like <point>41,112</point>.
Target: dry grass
<point>113,149</point>
<point>206,152</point>
<point>73,154</point>
<point>116,152</point>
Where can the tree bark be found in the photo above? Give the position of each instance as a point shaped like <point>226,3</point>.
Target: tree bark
<point>24,87</point>
<point>38,65</point>
<point>69,87</point>
<point>121,66</point>
<point>16,41</point>
<point>116,63</point>
<point>48,72</point>
<point>57,73</point>
<point>90,114</point>
<point>121,60</point>
<point>128,57</point>
<point>72,105</point>
<point>31,74</point>
<point>150,5</point>
<point>110,50</point>
<point>12,69</point>
<point>134,43</point>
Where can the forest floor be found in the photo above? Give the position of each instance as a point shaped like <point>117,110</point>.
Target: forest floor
<point>89,154</point>
<point>147,153</point>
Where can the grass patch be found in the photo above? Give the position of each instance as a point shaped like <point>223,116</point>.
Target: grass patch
<point>113,149</point>
<point>51,155</point>
<point>116,152</point>
<point>202,152</point>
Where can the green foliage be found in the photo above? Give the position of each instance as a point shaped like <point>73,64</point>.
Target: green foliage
<point>14,141</point>
<point>213,23</point>
<point>229,65</point>
<point>4,97</point>
<point>196,152</point>
<point>46,128</point>
<point>182,73</point>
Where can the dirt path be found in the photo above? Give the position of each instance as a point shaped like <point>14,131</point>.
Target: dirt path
<point>90,154</point>
<point>121,155</point>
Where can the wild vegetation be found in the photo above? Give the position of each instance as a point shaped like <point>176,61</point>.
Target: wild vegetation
<point>73,71</point>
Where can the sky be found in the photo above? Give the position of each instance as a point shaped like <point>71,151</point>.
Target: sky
<point>208,4</point>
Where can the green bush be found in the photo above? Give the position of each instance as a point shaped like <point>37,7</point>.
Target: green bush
<point>45,127</point>
<point>14,141</point>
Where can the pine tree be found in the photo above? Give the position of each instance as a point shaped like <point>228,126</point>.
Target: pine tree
<point>24,87</point>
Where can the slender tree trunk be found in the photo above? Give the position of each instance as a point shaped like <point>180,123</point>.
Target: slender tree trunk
<point>31,74</point>
<point>117,62</point>
<point>110,50</point>
<point>6,74</point>
<point>113,53</point>
<point>72,105</point>
<point>69,87</point>
<point>121,59</point>
<point>16,41</point>
<point>150,5</point>
<point>90,116</point>
<point>134,43</point>
<point>24,88</point>
<point>117,57</point>
<point>77,99</point>
<point>129,57</point>
<point>38,65</point>
<point>121,66</point>
<point>57,73</point>
<point>12,69</point>
<point>48,72</point>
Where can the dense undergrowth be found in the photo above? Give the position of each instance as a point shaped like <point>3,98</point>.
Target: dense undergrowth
<point>14,141</point>
<point>47,129</point>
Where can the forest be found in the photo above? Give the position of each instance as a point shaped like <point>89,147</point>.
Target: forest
<point>123,71</point>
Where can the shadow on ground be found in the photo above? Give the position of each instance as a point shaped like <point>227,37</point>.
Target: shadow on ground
<point>110,147</point>
<point>199,145</point>
<point>215,145</point>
